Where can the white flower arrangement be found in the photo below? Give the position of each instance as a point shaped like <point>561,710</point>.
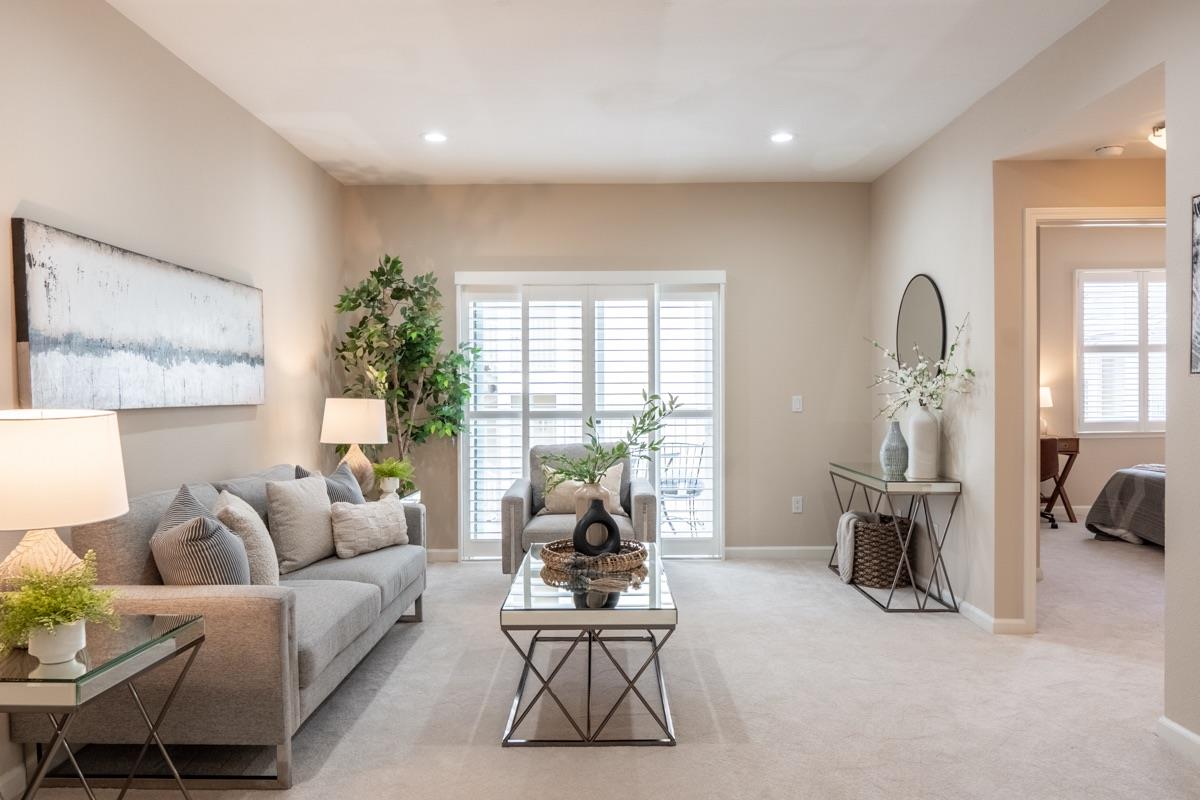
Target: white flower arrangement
<point>925,383</point>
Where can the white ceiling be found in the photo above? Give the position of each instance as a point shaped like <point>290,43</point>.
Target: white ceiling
<point>606,90</point>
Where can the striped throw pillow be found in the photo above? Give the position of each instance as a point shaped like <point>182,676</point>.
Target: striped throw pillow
<point>184,507</point>
<point>200,552</point>
<point>341,485</point>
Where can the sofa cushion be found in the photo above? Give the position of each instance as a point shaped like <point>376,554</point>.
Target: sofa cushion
<point>301,524</point>
<point>329,616</point>
<point>548,527</point>
<point>253,488</point>
<point>390,569</point>
<point>342,485</point>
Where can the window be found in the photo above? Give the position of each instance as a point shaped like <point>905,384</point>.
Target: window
<point>558,348</point>
<point>1120,370</point>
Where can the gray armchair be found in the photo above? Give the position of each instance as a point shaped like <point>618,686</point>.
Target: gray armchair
<point>521,525</point>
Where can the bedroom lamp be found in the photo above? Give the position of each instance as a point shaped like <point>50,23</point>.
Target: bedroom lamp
<point>57,469</point>
<point>1045,400</point>
<point>355,421</point>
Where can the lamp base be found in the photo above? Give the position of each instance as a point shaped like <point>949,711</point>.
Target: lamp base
<point>360,467</point>
<point>1045,426</point>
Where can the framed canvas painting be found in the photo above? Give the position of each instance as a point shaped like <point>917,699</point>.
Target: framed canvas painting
<point>102,327</point>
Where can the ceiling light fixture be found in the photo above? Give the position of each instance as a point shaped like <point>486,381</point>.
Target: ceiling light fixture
<point>1110,151</point>
<point>782,137</point>
<point>434,137</point>
<point>1158,136</point>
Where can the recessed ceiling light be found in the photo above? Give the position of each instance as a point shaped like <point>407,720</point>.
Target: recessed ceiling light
<point>1158,136</point>
<point>782,137</point>
<point>434,137</point>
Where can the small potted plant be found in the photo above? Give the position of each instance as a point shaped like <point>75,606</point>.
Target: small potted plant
<point>644,437</point>
<point>48,611</point>
<point>394,474</point>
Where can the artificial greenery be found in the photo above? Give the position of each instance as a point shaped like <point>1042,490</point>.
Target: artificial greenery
<point>644,437</point>
<point>925,383</point>
<point>394,352</point>
<point>47,600</point>
<point>393,468</point>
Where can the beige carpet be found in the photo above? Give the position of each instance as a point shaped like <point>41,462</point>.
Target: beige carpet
<point>784,684</point>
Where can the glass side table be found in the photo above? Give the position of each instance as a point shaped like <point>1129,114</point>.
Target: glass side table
<point>112,658</point>
<point>870,478</point>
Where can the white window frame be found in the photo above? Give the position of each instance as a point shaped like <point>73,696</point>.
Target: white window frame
<point>653,285</point>
<point>1144,426</point>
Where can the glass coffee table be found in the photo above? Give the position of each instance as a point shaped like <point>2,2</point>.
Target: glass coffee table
<point>645,615</point>
<point>112,658</point>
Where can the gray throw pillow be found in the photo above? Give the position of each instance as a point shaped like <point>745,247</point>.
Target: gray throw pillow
<point>200,552</point>
<point>241,518</point>
<point>301,525</point>
<point>342,485</point>
<point>368,527</point>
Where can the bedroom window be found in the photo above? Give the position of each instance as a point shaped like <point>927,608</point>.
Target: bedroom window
<point>1121,337</point>
<point>559,347</point>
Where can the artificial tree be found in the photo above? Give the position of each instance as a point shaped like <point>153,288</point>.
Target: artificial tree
<point>394,351</point>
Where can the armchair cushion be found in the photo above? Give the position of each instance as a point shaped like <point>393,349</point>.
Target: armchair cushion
<point>548,527</point>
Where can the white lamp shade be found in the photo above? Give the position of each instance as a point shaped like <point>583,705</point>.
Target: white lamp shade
<point>60,468</point>
<point>1045,399</point>
<point>354,420</point>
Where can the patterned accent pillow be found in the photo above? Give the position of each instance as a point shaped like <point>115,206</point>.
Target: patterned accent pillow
<point>368,527</point>
<point>183,508</point>
<point>241,518</point>
<point>341,484</point>
<point>200,552</point>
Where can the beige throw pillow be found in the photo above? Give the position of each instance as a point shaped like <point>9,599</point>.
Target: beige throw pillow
<point>561,499</point>
<point>366,527</point>
<point>300,521</point>
<point>241,518</point>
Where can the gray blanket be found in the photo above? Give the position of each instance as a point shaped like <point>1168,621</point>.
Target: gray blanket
<point>1132,505</point>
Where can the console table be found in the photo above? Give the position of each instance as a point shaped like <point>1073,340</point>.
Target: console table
<point>870,478</point>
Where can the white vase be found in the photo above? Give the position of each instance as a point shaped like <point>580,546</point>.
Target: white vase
<point>924,444</point>
<point>388,487</point>
<point>59,645</point>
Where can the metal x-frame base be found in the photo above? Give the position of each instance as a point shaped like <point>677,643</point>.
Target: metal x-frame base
<point>916,503</point>
<point>62,726</point>
<point>587,735</point>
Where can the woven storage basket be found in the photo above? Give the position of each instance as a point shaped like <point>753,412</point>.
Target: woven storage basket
<point>877,553</point>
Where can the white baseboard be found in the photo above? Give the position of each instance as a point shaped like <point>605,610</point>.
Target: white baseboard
<point>805,553</point>
<point>984,620</point>
<point>1180,739</point>
<point>443,555</point>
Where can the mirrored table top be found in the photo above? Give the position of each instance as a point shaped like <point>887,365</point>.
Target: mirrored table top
<point>533,603</point>
<point>872,475</point>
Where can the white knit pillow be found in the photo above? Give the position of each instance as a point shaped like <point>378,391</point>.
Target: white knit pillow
<point>561,499</point>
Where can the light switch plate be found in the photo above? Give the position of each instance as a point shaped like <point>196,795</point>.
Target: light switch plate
<point>797,505</point>
<point>797,403</point>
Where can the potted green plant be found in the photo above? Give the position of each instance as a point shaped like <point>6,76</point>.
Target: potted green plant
<point>393,351</point>
<point>48,611</point>
<point>394,474</point>
<point>643,438</point>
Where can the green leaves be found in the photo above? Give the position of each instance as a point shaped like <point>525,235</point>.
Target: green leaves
<point>46,600</point>
<point>394,352</point>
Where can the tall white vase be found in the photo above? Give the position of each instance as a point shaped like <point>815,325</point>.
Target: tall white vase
<point>924,444</point>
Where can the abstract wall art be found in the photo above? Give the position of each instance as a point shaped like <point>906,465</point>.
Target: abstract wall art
<point>101,327</point>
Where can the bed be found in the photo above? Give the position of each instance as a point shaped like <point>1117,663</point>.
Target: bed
<point>1132,505</point>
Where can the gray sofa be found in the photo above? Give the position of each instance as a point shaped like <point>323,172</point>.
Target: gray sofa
<point>521,525</point>
<point>271,655</point>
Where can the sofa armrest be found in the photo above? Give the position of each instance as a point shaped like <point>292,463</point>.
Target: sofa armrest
<point>645,509</point>
<point>516,510</point>
<point>414,515</point>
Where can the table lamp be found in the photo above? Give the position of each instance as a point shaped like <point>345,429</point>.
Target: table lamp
<point>57,469</point>
<point>355,421</point>
<point>1045,400</point>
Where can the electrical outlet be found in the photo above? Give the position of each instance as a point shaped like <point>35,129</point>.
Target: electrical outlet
<point>797,403</point>
<point>797,505</point>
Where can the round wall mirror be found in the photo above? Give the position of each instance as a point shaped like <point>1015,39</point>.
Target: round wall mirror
<point>921,322</point>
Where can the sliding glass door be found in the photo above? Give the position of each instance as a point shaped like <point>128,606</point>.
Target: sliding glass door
<point>554,354</point>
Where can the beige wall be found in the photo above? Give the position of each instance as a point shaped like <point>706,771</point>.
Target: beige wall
<point>1061,252</point>
<point>795,311</point>
<point>937,210</point>
<point>108,135</point>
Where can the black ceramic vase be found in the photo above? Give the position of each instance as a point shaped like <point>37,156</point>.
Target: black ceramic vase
<point>597,515</point>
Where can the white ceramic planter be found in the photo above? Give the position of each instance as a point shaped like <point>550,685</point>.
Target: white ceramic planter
<point>60,645</point>
<point>388,486</point>
<point>924,445</point>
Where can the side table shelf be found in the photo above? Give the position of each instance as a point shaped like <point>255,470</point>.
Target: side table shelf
<point>878,488</point>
